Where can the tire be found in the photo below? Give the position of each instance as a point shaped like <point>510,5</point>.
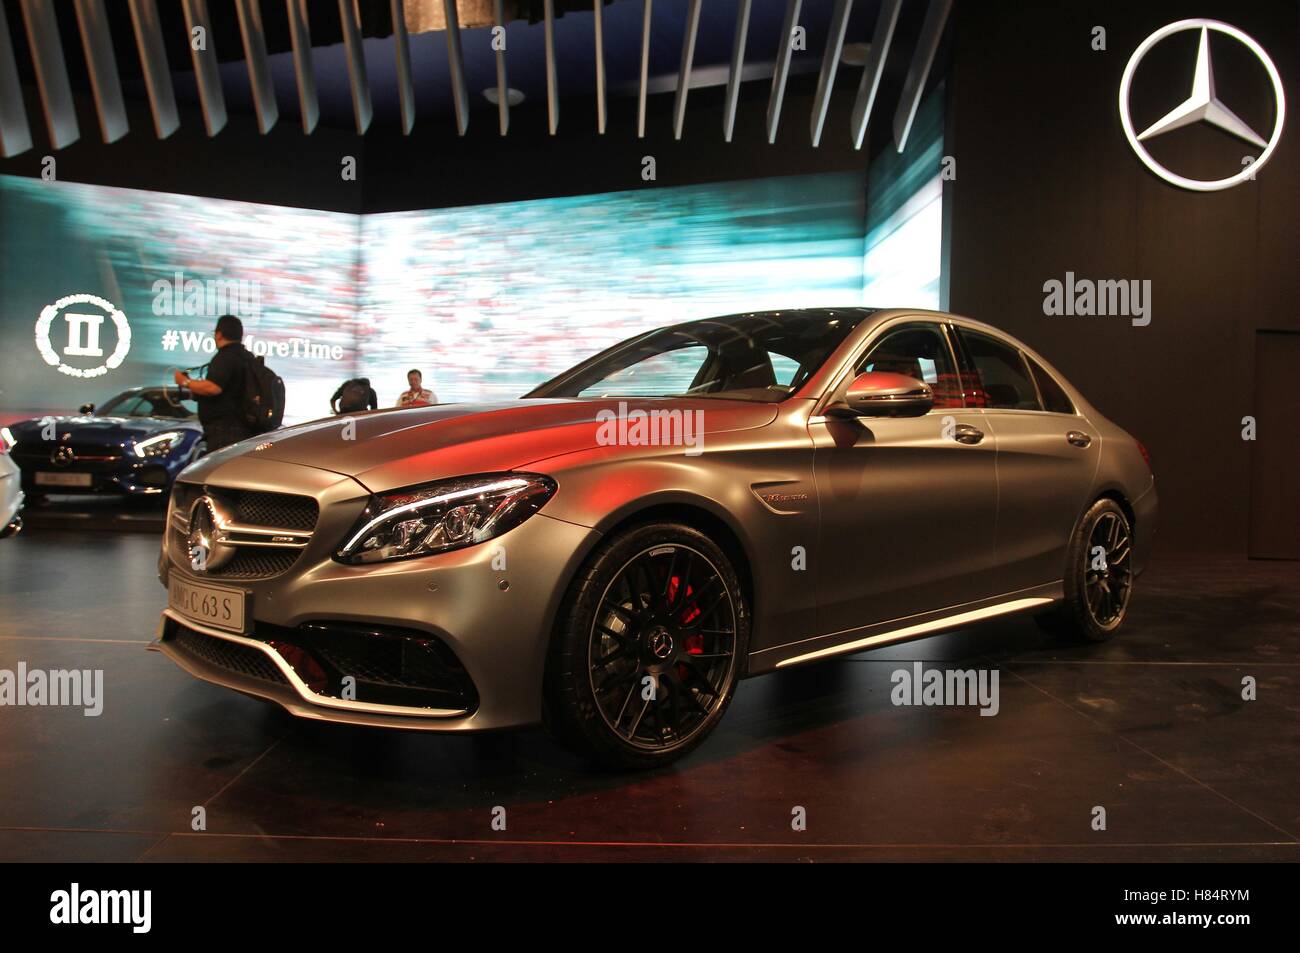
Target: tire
<point>651,640</point>
<point>1096,599</point>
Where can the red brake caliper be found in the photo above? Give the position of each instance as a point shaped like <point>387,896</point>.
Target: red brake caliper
<point>694,641</point>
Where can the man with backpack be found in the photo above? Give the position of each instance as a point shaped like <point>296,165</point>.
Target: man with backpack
<point>354,396</point>
<point>228,406</point>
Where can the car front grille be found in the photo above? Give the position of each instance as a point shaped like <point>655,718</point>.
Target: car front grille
<point>249,562</point>
<point>257,508</point>
<point>280,510</point>
<point>100,460</point>
<point>252,507</point>
<point>226,655</point>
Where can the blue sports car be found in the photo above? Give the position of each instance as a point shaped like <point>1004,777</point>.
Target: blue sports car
<point>133,445</point>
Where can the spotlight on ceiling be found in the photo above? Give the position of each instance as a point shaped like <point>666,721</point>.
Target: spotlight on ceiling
<point>513,96</point>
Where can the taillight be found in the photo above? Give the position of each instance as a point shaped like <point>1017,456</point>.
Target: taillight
<point>1143,450</point>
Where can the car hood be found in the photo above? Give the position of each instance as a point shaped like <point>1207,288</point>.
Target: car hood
<point>387,449</point>
<point>96,430</point>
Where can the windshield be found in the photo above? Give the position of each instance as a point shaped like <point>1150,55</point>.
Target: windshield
<point>763,357</point>
<point>146,403</point>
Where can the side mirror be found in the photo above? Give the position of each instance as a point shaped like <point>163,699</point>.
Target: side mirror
<point>87,409</point>
<point>882,394</point>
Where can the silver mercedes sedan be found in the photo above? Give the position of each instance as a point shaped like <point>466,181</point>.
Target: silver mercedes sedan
<point>613,553</point>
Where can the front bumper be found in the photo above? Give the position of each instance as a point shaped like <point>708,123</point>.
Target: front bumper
<point>491,606</point>
<point>119,477</point>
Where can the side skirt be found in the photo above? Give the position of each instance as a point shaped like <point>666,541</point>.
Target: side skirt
<point>904,629</point>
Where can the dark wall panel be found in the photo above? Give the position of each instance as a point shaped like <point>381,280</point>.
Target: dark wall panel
<point>1047,184</point>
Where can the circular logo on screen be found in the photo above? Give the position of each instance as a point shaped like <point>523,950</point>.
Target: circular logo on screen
<point>82,325</point>
<point>1202,105</point>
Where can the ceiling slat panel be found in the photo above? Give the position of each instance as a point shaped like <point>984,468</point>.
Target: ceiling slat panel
<point>552,80</point>
<point>206,74</point>
<point>914,86</point>
<point>153,60</point>
<point>456,63</point>
<point>684,70</point>
<point>15,134</point>
<point>830,63</point>
<point>782,73</point>
<point>600,66</point>
<point>51,72</point>
<point>405,84</point>
<point>646,15</point>
<point>259,68</point>
<point>737,65</point>
<point>101,65</point>
<point>874,68</point>
<point>304,65</point>
<point>361,105</point>
<point>503,89</point>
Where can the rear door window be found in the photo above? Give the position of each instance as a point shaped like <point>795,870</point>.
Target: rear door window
<point>1004,380</point>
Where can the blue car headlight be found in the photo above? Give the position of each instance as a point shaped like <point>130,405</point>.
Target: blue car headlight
<point>159,445</point>
<point>439,517</point>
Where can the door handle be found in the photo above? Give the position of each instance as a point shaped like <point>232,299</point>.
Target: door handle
<point>965,433</point>
<point>1078,438</point>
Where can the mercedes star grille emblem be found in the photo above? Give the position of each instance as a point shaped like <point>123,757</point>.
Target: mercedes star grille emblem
<point>207,548</point>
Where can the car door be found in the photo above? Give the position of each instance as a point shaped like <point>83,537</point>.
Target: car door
<point>1047,458</point>
<point>907,504</point>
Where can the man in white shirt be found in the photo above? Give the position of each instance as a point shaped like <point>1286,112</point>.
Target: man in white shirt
<point>417,395</point>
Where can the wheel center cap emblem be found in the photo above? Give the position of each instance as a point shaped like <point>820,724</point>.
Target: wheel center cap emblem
<point>660,643</point>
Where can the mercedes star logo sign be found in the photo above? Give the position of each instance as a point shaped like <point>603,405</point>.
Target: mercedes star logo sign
<point>207,547</point>
<point>62,456</point>
<point>1203,105</point>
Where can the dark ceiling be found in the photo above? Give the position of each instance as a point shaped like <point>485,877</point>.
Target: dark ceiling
<point>526,57</point>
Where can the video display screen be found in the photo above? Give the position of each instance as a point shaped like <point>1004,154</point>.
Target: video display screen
<point>102,289</point>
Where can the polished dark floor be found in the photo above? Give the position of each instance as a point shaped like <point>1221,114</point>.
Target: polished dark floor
<point>1151,726</point>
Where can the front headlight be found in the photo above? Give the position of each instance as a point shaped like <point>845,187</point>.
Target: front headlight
<point>439,517</point>
<point>159,445</point>
<point>7,438</point>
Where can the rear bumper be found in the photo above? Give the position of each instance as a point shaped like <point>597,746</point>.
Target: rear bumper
<point>1146,510</point>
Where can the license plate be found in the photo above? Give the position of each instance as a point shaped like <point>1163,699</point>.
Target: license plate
<point>210,605</point>
<point>62,479</point>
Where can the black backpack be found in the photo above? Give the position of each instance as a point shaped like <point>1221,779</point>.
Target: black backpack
<point>262,403</point>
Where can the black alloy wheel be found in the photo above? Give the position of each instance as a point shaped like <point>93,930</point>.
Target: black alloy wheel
<point>648,656</point>
<point>1098,579</point>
